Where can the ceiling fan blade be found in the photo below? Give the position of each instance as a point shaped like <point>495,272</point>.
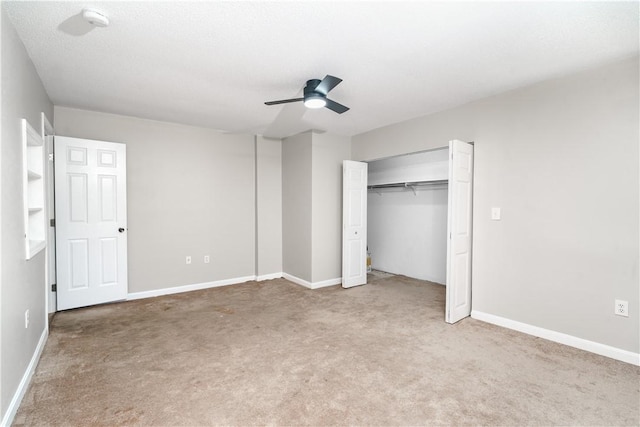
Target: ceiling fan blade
<point>328,83</point>
<point>334,106</point>
<point>284,101</point>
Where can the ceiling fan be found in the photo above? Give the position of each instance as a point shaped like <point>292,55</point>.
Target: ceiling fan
<point>315,95</point>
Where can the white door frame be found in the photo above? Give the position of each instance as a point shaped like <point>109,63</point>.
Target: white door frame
<point>47,133</point>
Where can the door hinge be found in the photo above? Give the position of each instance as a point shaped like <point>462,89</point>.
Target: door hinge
<point>54,287</point>
<point>51,157</point>
<point>52,222</point>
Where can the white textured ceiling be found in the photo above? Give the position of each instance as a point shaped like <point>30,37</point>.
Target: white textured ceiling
<point>214,64</point>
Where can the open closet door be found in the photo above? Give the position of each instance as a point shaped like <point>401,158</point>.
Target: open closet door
<point>354,223</point>
<point>458,303</point>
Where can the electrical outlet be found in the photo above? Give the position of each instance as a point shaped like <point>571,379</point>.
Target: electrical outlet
<point>207,260</point>
<point>622,308</point>
<point>188,259</point>
<point>26,318</point>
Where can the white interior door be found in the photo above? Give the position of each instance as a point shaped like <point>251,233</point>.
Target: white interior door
<point>91,223</point>
<point>354,223</point>
<point>458,303</point>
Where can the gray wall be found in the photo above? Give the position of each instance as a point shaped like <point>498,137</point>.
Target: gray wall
<point>22,283</point>
<point>269,206</point>
<point>312,205</point>
<point>296,205</point>
<point>561,160</point>
<point>328,152</point>
<point>190,191</point>
<point>407,233</point>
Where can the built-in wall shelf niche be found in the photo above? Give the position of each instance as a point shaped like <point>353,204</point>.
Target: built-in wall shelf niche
<point>33,192</point>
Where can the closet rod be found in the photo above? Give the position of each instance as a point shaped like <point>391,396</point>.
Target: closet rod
<point>408,184</point>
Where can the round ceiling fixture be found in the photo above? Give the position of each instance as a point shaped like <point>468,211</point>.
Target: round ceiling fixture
<point>95,17</point>
<point>315,100</point>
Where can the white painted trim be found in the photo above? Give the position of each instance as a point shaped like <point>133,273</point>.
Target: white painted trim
<point>188,288</point>
<point>269,276</point>
<point>297,280</point>
<point>46,129</point>
<point>570,340</point>
<point>325,283</point>
<point>315,285</point>
<point>26,380</point>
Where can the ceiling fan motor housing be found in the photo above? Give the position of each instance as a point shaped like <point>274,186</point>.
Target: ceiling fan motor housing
<point>310,89</point>
<point>312,97</point>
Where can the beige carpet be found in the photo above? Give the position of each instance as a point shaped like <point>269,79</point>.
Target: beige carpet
<point>279,354</point>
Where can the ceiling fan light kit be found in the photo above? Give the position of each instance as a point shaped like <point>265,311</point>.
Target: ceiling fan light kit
<point>315,95</point>
<point>315,101</point>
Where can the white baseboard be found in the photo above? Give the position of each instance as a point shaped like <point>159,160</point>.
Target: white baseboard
<point>570,340</point>
<point>314,285</point>
<point>325,283</point>
<point>269,276</point>
<point>26,380</point>
<point>188,288</point>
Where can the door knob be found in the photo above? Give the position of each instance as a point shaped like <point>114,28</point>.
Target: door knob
<point>121,230</point>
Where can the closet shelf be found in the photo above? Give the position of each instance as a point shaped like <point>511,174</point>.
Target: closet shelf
<point>33,190</point>
<point>35,246</point>
<point>35,142</point>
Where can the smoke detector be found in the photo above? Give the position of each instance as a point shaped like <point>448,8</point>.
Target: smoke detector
<point>95,17</point>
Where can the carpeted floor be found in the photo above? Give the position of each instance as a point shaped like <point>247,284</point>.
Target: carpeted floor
<point>276,353</point>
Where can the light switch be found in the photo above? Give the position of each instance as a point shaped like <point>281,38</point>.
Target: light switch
<point>495,214</point>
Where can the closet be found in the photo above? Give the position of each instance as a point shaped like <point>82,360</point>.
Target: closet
<point>414,213</point>
<point>407,215</point>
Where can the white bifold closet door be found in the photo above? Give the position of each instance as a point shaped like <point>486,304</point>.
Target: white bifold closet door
<point>91,222</point>
<point>458,305</point>
<point>354,223</point>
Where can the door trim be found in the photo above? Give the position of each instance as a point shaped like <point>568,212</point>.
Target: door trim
<point>47,132</point>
